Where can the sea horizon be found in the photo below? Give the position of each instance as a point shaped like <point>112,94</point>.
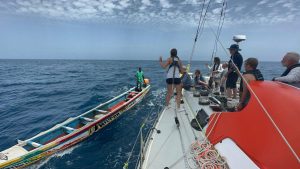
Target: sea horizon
<point>67,59</point>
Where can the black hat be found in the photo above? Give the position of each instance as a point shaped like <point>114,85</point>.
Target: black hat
<point>235,46</point>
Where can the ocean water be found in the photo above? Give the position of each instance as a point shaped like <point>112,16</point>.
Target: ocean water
<point>37,94</point>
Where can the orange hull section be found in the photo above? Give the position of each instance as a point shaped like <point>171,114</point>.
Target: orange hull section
<point>253,132</point>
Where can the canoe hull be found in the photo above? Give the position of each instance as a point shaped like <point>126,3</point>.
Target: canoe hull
<point>74,138</point>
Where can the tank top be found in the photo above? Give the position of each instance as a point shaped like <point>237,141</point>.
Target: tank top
<point>173,71</point>
<point>258,77</point>
<point>256,73</point>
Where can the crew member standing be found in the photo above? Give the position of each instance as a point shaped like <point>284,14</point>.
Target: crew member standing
<point>232,75</point>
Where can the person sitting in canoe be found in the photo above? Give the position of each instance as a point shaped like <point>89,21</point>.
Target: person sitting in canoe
<point>199,81</point>
<point>139,79</point>
<point>174,65</point>
<point>251,73</point>
<point>292,74</point>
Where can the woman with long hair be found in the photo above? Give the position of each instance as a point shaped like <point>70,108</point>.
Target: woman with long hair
<point>174,65</point>
<point>215,73</point>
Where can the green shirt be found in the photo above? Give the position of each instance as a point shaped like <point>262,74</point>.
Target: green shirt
<point>140,76</point>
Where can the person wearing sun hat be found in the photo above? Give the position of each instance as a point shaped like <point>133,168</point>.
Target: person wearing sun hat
<point>232,75</point>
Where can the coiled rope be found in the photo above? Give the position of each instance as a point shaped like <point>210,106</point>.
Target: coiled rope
<point>206,156</point>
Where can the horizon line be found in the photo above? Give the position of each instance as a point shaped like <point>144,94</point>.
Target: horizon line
<point>112,59</point>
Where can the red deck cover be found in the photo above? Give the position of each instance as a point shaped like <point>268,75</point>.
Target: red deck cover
<point>254,133</point>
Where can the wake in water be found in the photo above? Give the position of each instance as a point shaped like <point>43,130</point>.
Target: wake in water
<point>56,155</point>
<point>150,104</point>
<point>154,105</point>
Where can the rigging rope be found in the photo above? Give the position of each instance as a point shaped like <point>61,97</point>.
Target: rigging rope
<point>197,33</point>
<point>204,18</point>
<point>220,26</point>
<point>199,30</point>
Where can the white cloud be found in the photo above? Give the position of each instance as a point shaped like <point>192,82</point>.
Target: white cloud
<point>154,11</point>
<point>219,1</point>
<point>217,11</point>
<point>109,5</point>
<point>165,3</point>
<point>89,10</point>
<point>271,5</point>
<point>124,4</point>
<point>147,2</point>
<point>280,1</point>
<point>194,2</point>
<point>23,3</point>
<point>239,8</point>
<point>262,2</point>
<point>79,4</point>
<point>288,5</point>
<point>143,7</point>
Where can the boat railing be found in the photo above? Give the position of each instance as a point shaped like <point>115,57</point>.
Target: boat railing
<point>144,145</point>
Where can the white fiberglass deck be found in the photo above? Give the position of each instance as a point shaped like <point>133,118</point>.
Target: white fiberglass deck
<point>171,147</point>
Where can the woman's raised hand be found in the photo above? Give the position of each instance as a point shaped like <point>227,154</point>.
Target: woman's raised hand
<point>160,58</point>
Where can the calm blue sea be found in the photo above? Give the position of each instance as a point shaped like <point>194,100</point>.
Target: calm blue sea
<point>37,94</point>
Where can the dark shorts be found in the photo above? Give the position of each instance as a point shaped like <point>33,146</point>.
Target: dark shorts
<point>231,80</point>
<point>175,81</point>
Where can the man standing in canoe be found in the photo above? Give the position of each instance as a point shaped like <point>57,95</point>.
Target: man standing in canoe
<point>139,79</point>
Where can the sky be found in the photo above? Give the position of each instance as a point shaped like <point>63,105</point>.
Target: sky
<point>144,29</point>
